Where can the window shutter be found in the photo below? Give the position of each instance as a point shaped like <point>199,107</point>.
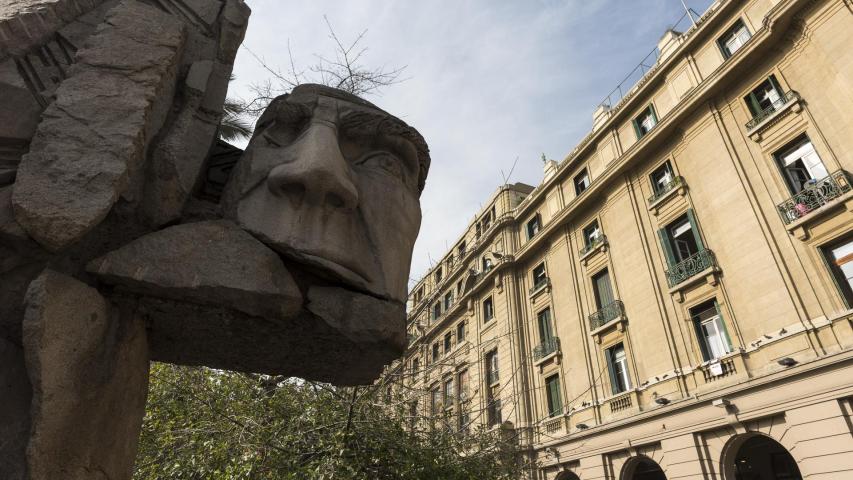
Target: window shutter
<point>700,337</point>
<point>692,218</point>
<point>776,85</point>
<point>654,114</point>
<point>752,103</point>
<point>613,388</point>
<point>667,247</point>
<point>725,329</point>
<point>558,401</point>
<point>637,128</point>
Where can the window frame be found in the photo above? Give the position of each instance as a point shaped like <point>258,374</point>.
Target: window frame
<point>553,396</point>
<point>779,155</point>
<point>488,313</point>
<point>730,33</point>
<point>705,346</point>
<point>534,226</point>
<point>598,295</point>
<point>592,227</point>
<point>586,181</point>
<point>665,167</point>
<point>543,279</point>
<point>548,323</point>
<point>610,356</point>
<point>637,122</point>
<point>754,104</point>
<point>460,332</point>
<point>668,242</point>
<point>845,289</point>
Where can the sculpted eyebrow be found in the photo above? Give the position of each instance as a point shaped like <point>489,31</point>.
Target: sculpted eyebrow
<point>371,124</point>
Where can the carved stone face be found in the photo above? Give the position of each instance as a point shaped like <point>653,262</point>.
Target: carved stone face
<point>333,182</point>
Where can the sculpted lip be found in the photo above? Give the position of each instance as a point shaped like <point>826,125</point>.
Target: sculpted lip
<point>348,273</point>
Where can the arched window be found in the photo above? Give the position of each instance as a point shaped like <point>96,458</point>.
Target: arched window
<point>758,457</point>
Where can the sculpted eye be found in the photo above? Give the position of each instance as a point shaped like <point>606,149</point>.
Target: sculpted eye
<point>384,162</point>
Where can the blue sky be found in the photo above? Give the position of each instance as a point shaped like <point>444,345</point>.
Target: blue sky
<point>487,81</point>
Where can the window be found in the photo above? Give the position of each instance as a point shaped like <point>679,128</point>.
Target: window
<point>601,289</point>
<point>710,330</point>
<point>419,294</point>
<point>461,250</point>
<point>436,352</point>
<point>464,421</point>
<point>463,384</point>
<point>438,274</point>
<point>448,342</point>
<point>800,165</point>
<point>839,257</point>
<point>533,226</point>
<point>591,234</point>
<point>416,365</point>
<point>448,300</point>
<point>662,178</point>
<point>435,401</point>
<point>733,39</point>
<point>487,264</point>
<point>766,98</point>
<point>543,319</point>
<point>539,276</point>
<point>492,367</point>
<point>680,239</point>
<point>436,310</point>
<point>645,121</point>
<point>460,332</point>
<point>459,285</point>
<point>617,365</point>
<point>488,309</point>
<point>581,182</point>
<point>493,407</point>
<point>552,392</point>
<point>448,392</point>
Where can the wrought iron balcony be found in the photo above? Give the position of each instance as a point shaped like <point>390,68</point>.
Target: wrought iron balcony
<point>592,245</point>
<point>773,108</point>
<point>814,196</point>
<point>547,347</point>
<point>694,264</point>
<point>606,314</point>
<point>542,283</point>
<point>493,377</point>
<point>673,183</point>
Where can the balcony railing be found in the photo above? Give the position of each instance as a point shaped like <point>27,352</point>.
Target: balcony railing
<point>814,196</point>
<point>553,425</point>
<point>673,183</point>
<point>606,314</point>
<point>592,245</point>
<point>694,264</point>
<point>770,110</point>
<point>727,368</point>
<point>547,347</point>
<point>493,377</point>
<point>621,403</point>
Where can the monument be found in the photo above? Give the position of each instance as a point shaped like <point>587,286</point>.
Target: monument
<point>124,239</point>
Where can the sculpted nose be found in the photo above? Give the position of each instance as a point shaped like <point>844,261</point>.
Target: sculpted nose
<point>319,174</point>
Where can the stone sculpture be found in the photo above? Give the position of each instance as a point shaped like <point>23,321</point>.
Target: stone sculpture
<point>124,237</point>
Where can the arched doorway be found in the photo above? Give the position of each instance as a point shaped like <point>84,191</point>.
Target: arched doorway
<point>759,457</point>
<point>642,468</point>
<point>567,476</point>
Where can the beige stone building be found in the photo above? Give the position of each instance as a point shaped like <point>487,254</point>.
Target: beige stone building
<point>673,301</point>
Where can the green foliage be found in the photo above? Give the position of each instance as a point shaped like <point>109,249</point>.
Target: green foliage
<point>212,425</point>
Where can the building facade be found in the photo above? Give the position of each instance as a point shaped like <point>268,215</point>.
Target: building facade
<point>673,301</point>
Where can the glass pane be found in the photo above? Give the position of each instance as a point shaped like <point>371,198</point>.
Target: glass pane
<point>603,293</point>
<point>545,325</point>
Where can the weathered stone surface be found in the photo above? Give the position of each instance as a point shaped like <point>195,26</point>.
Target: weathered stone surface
<point>27,23</point>
<point>15,400</point>
<point>361,318</point>
<point>88,364</point>
<point>213,263</point>
<point>91,142</point>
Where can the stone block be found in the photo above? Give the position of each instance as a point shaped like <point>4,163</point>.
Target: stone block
<point>15,397</point>
<point>88,364</point>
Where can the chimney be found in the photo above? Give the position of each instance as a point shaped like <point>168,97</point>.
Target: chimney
<point>668,43</point>
<point>550,167</point>
<point>600,115</point>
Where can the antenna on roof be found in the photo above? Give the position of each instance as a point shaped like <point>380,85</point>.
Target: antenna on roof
<point>514,163</point>
<point>689,12</point>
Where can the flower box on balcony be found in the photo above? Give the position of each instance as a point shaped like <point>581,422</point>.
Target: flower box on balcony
<point>816,201</point>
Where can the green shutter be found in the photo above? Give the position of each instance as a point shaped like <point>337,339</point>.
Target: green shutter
<point>752,103</point>
<point>637,128</point>
<point>693,228</point>
<point>613,388</point>
<point>667,247</point>
<point>723,323</point>
<point>558,401</point>
<point>700,337</point>
<point>776,85</point>
<point>654,114</point>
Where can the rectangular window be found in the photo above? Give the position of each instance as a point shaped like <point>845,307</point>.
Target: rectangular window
<point>487,264</point>
<point>591,234</point>
<point>839,257</point>
<point>662,178</point>
<point>617,364</point>
<point>543,318</point>
<point>436,310</point>
<point>552,391</point>
<point>459,286</point>
<point>645,121</point>
<point>488,309</point>
<point>680,239</point>
<point>460,332</point>
<point>448,342</point>
<point>492,367</point>
<point>435,401</point>
<point>464,421</point>
<point>463,385</point>
<point>800,164</point>
<point>540,278</point>
<point>601,289</point>
<point>733,39</point>
<point>766,98</point>
<point>581,182</point>
<point>416,366</point>
<point>438,275</point>
<point>533,226</point>
<point>461,250</point>
<point>493,407</point>
<point>448,392</point>
<point>448,300</point>
<point>711,330</point>
<point>436,352</point>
